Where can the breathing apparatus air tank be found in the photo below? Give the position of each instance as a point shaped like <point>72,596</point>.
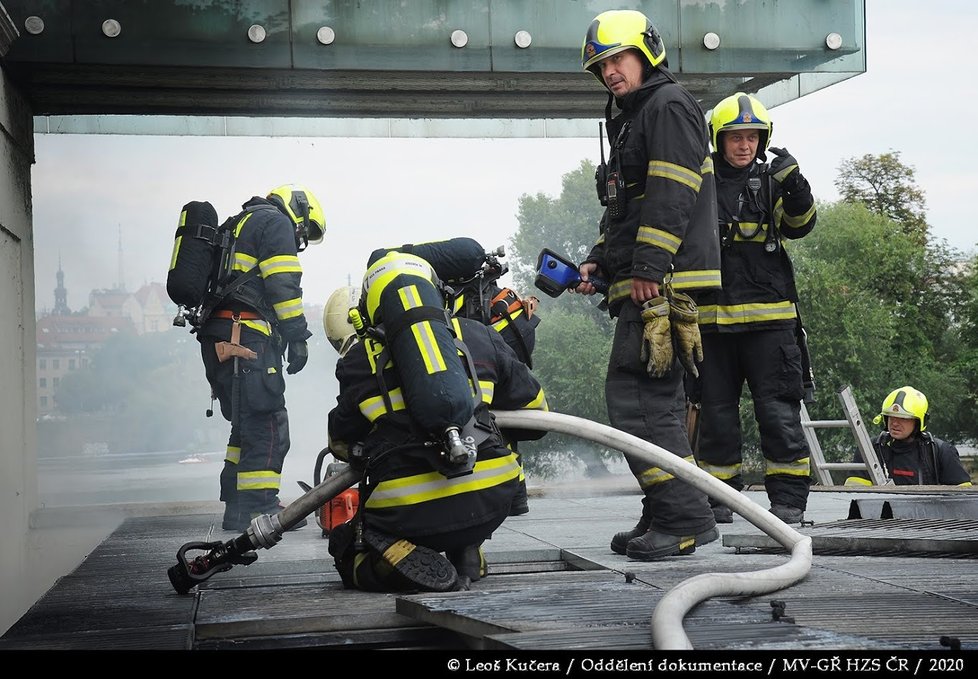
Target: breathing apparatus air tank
<point>405,307</point>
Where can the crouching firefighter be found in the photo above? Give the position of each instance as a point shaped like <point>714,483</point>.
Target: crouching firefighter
<point>413,411</point>
<point>471,275</point>
<point>243,335</point>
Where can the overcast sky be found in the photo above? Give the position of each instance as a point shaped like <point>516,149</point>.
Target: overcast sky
<point>917,97</point>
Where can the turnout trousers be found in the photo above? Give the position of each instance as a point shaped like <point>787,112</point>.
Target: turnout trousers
<point>653,409</point>
<point>770,362</point>
<point>259,439</point>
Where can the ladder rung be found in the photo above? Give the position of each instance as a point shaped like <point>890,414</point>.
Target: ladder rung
<point>843,465</point>
<point>825,424</point>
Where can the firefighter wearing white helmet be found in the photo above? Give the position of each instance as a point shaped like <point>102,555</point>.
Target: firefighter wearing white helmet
<point>911,455</point>
<point>658,250</point>
<point>244,338</point>
<point>750,328</point>
<point>340,331</point>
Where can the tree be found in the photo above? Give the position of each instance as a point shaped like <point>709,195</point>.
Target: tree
<point>887,187</point>
<point>574,336</point>
<point>879,310</point>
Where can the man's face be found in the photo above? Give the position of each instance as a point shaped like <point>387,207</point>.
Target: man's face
<point>900,427</point>
<point>622,72</point>
<point>740,146</point>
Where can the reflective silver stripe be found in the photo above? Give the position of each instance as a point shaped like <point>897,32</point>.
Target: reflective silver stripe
<point>662,239</point>
<point>677,173</point>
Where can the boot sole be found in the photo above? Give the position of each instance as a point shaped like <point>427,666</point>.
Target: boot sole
<point>423,567</point>
<point>683,546</point>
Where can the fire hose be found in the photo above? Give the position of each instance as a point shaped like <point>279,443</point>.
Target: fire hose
<point>667,619</point>
<point>667,629</point>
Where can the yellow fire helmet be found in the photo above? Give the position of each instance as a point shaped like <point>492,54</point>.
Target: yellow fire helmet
<point>616,31</point>
<point>336,319</point>
<point>303,209</point>
<point>906,403</point>
<point>741,111</point>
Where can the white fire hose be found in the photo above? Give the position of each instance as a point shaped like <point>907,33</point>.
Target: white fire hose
<point>667,618</point>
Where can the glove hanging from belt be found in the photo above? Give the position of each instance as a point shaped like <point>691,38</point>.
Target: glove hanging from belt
<point>656,350</point>
<point>684,317</point>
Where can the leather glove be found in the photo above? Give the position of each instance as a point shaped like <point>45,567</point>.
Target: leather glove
<point>298,355</point>
<point>684,316</point>
<point>783,164</point>
<point>656,338</point>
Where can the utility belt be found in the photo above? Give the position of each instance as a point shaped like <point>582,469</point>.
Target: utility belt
<point>237,315</point>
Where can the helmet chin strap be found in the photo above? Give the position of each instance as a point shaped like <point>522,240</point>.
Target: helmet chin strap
<point>302,226</point>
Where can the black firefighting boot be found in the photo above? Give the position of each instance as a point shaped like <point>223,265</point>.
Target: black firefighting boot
<point>787,513</point>
<point>418,567</point>
<point>656,545</point>
<point>470,563</point>
<point>619,543</point>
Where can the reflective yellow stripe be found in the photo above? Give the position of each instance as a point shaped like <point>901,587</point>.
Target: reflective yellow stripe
<point>759,312</point>
<point>263,480</point>
<point>801,220</point>
<point>796,468</point>
<point>696,279</point>
<point>233,454</point>
<point>290,308</point>
<point>677,173</point>
<point>758,232</point>
<point>539,402</point>
<point>374,407</point>
<point>424,335</point>
<point>386,269</point>
<point>420,488</point>
<point>237,227</point>
<point>279,264</point>
<point>681,280</point>
<point>244,263</point>
<point>176,249</point>
<point>858,481</point>
<point>722,472</point>
<point>488,390</point>
<point>264,327</point>
<point>707,166</point>
<point>662,239</point>
<point>654,475</point>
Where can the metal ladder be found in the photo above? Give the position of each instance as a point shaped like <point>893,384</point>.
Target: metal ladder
<point>853,421</point>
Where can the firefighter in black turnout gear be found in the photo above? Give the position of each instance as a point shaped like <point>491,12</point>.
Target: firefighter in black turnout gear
<point>243,339</point>
<point>911,455</point>
<point>472,274</point>
<point>658,247</point>
<point>751,328</point>
<point>398,392</point>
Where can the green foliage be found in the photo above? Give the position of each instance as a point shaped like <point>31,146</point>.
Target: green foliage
<point>879,311</point>
<point>574,336</point>
<point>887,187</point>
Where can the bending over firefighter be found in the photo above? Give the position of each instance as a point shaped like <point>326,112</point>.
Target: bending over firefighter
<point>413,413</point>
<point>751,328</point>
<point>473,291</point>
<point>243,339</point>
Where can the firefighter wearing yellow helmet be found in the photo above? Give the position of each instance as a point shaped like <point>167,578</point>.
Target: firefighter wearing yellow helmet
<point>244,338</point>
<point>416,375</point>
<point>910,455</point>
<point>751,329</point>
<point>658,250</point>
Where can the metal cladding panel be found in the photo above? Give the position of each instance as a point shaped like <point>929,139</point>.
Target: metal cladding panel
<point>774,37</point>
<point>392,36</point>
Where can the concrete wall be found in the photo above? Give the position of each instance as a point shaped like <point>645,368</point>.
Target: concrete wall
<point>18,464</point>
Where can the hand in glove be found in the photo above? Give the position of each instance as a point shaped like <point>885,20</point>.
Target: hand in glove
<point>685,326</point>
<point>298,355</point>
<point>783,164</point>
<point>656,338</point>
